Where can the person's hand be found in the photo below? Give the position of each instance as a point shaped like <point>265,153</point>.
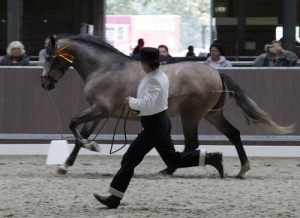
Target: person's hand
<point>278,50</point>
<point>126,101</point>
<point>266,47</point>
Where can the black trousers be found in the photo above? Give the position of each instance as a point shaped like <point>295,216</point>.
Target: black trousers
<point>156,134</point>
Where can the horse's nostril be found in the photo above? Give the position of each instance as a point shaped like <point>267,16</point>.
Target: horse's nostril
<point>47,83</point>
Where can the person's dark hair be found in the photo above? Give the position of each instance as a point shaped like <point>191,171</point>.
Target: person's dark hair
<point>141,42</point>
<point>191,48</point>
<point>164,46</point>
<point>217,46</point>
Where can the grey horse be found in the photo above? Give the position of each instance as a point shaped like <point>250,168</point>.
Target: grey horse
<point>110,76</point>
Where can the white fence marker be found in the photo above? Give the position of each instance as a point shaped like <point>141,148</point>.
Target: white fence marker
<point>58,152</point>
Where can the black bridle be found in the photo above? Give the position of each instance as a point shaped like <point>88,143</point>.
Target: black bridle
<point>48,81</point>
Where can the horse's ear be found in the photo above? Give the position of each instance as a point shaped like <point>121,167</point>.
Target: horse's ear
<point>51,45</point>
<point>52,41</point>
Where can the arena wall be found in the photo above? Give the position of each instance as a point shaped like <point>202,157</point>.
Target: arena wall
<point>26,108</point>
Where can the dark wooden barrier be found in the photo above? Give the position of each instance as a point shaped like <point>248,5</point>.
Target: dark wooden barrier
<point>27,109</point>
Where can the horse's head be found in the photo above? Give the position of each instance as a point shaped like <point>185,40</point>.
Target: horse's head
<point>57,62</point>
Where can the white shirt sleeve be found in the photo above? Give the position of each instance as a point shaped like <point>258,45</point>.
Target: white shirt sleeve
<point>148,100</point>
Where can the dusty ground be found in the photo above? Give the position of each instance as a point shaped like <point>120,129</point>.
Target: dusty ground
<point>29,188</point>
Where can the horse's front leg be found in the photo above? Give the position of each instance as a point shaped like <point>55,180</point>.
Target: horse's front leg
<point>86,131</point>
<point>88,115</point>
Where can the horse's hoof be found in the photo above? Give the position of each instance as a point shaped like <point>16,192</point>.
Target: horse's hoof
<point>240,177</point>
<point>62,170</point>
<point>92,146</point>
<point>243,171</point>
<point>163,173</point>
<point>167,172</point>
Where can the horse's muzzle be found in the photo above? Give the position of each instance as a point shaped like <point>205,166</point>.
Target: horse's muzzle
<point>48,83</point>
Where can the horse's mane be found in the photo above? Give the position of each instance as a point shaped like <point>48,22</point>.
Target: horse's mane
<point>95,41</point>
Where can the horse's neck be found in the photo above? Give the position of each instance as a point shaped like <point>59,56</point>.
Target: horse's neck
<point>87,64</point>
<point>91,65</point>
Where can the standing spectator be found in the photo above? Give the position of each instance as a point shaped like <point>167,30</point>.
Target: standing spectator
<point>137,50</point>
<point>164,52</point>
<point>43,54</point>
<point>152,103</point>
<point>190,52</point>
<point>216,57</point>
<point>275,55</point>
<point>15,55</point>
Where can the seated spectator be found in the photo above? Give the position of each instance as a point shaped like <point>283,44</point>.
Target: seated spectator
<point>216,57</point>
<point>275,55</point>
<point>43,54</point>
<point>190,52</point>
<point>136,51</point>
<point>164,51</point>
<point>15,55</point>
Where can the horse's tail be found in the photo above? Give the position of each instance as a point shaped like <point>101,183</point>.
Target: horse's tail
<point>254,114</point>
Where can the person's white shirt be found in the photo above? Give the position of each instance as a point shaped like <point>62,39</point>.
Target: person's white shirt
<point>152,95</point>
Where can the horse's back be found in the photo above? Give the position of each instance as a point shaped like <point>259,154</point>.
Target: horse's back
<point>194,88</point>
<point>193,77</point>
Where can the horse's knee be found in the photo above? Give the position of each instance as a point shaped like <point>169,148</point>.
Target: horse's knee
<point>73,123</point>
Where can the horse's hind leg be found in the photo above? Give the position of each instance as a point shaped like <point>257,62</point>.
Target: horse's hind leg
<point>217,119</point>
<point>86,131</point>
<point>190,132</point>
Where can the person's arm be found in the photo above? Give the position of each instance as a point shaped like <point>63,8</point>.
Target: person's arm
<point>6,61</point>
<point>291,58</point>
<point>152,90</point>
<point>227,64</point>
<point>259,61</point>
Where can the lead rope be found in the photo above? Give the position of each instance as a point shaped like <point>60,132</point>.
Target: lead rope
<point>115,130</point>
<point>56,113</point>
<point>60,120</point>
<point>125,134</point>
<point>125,120</point>
<point>225,105</point>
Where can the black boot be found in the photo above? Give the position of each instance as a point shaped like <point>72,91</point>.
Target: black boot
<point>110,201</point>
<point>216,160</point>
